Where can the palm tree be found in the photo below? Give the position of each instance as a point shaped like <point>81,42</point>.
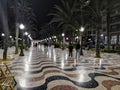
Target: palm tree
<point>64,15</point>
<point>24,14</point>
<point>69,16</point>
<point>96,9</point>
<point>16,26</point>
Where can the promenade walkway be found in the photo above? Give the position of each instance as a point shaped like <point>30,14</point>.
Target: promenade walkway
<point>45,68</point>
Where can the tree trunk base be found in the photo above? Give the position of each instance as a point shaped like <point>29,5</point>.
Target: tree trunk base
<point>16,50</point>
<point>97,56</point>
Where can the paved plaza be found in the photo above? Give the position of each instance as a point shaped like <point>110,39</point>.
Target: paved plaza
<point>49,68</point>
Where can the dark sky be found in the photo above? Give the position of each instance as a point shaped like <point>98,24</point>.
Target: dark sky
<point>42,8</point>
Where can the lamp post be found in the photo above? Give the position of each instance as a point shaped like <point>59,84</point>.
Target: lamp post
<point>26,40</point>
<point>102,38</point>
<point>22,27</point>
<point>55,39</point>
<point>63,35</point>
<point>11,40</point>
<point>84,3</point>
<point>81,31</point>
<point>3,35</point>
<point>76,38</point>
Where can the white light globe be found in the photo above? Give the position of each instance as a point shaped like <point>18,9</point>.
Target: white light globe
<point>3,34</point>
<point>63,34</point>
<point>26,33</point>
<point>22,26</point>
<point>10,36</point>
<point>82,29</point>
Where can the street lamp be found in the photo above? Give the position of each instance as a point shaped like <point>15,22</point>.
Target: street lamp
<point>55,37</point>
<point>81,30</point>
<point>26,33</point>
<point>76,38</point>
<point>67,38</point>
<point>2,34</point>
<point>11,40</point>
<point>26,40</point>
<point>10,36</point>
<point>102,40</point>
<point>63,35</point>
<point>84,3</point>
<point>22,27</point>
<point>101,35</point>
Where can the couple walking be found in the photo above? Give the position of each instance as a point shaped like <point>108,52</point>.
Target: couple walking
<point>71,49</point>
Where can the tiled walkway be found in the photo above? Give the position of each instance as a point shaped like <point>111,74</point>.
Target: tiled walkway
<point>51,69</point>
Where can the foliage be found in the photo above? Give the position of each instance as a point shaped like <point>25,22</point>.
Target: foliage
<point>63,15</point>
<point>69,16</point>
<point>22,46</point>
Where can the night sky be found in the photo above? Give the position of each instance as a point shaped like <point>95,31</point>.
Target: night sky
<point>42,8</point>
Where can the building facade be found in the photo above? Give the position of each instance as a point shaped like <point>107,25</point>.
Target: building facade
<point>114,26</point>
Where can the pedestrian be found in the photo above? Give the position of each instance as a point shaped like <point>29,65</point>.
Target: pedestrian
<point>77,48</point>
<point>70,49</point>
<point>36,45</point>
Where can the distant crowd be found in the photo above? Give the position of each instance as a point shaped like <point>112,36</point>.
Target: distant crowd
<point>70,47</point>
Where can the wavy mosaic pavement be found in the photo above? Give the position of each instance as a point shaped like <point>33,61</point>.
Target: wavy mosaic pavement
<point>51,69</point>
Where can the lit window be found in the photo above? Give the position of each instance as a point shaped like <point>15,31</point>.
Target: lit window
<point>114,39</point>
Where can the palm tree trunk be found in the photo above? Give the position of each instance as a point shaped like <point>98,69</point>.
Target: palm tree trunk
<point>17,34</point>
<point>98,42</point>
<point>17,26</point>
<point>5,49</point>
<point>108,30</point>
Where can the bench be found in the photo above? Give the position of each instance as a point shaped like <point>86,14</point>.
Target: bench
<point>7,80</point>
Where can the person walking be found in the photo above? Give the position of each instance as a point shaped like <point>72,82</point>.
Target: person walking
<point>70,50</point>
<point>77,48</point>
